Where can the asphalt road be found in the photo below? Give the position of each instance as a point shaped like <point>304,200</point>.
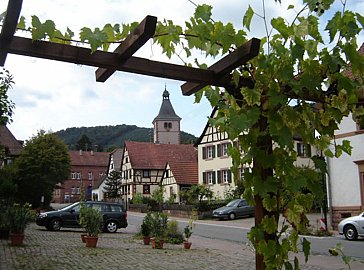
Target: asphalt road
<point>236,231</point>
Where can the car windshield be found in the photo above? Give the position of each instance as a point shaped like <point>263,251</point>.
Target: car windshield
<point>233,203</point>
<point>69,206</point>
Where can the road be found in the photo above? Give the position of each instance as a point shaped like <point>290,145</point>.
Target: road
<point>237,230</point>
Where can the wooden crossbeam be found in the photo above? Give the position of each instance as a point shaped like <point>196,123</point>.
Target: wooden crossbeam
<point>9,27</point>
<point>108,60</point>
<point>134,41</point>
<point>225,65</point>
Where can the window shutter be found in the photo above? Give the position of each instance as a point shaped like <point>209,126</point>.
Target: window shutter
<point>204,181</point>
<point>308,149</point>
<point>299,149</point>
<point>213,177</point>
<point>219,177</point>
<point>229,176</point>
<point>203,152</point>
<point>213,151</point>
<point>218,150</point>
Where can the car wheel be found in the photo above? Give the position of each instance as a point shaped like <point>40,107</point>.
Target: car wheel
<point>111,227</point>
<point>232,216</point>
<point>54,225</point>
<point>350,232</point>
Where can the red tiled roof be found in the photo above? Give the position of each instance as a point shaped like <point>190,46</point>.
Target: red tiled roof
<point>185,172</point>
<point>7,139</point>
<point>144,155</point>
<point>85,158</point>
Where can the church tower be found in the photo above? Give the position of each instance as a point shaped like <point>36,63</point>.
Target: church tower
<point>167,123</point>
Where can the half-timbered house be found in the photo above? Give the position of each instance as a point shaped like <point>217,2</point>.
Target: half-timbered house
<point>179,176</point>
<point>9,146</point>
<point>214,163</point>
<point>143,165</point>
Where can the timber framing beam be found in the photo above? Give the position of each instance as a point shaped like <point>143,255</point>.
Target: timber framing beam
<point>130,45</point>
<point>107,60</point>
<point>9,27</point>
<point>224,66</point>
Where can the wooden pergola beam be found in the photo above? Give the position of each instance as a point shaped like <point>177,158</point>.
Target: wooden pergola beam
<point>83,56</point>
<point>9,27</point>
<point>133,42</point>
<point>225,65</point>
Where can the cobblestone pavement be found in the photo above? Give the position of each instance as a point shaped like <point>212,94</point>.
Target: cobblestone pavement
<point>44,250</point>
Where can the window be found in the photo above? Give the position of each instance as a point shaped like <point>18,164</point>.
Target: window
<point>73,190</point>
<point>303,150</point>
<point>78,190</point>
<point>146,189</point>
<point>146,173</point>
<point>224,177</point>
<point>222,150</point>
<point>208,152</point>
<point>243,171</point>
<point>78,175</point>
<point>209,177</point>
<point>73,175</point>
<point>167,125</point>
<point>166,174</point>
<point>126,160</point>
<point>90,176</point>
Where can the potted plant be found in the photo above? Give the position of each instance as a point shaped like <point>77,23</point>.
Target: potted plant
<point>159,229</point>
<point>19,218</point>
<point>146,229</point>
<point>92,223</point>
<point>188,230</point>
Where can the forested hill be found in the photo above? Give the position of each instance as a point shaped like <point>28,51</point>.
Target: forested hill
<point>106,138</point>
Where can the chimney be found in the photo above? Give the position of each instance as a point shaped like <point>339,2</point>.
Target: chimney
<point>80,152</point>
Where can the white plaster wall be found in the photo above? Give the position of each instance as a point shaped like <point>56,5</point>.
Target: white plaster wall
<point>344,174</point>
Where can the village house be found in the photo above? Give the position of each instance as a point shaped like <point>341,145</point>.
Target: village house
<point>214,163</point>
<point>98,191</point>
<point>87,170</point>
<point>9,146</point>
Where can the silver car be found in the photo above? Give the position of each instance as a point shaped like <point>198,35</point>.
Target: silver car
<point>352,227</point>
<point>234,209</point>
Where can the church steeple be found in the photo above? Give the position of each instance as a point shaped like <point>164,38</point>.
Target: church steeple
<point>166,123</point>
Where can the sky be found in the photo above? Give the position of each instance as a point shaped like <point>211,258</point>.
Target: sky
<point>52,96</point>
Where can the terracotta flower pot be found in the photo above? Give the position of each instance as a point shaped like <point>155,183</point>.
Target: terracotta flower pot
<point>187,245</point>
<point>146,240</point>
<point>83,237</point>
<point>16,239</point>
<point>158,244</point>
<point>91,241</point>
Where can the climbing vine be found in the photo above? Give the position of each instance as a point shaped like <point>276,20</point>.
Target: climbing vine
<point>299,86</point>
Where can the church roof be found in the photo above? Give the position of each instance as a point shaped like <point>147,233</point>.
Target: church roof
<point>166,111</point>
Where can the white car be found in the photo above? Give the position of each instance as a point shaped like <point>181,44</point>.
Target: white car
<point>352,227</point>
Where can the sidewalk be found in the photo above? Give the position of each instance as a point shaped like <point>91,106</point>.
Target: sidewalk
<point>64,250</point>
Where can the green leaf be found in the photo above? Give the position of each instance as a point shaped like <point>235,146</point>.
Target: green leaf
<point>95,38</point>
<point>280,25</point>
<point>251,96</point>
<point>248,17</point>
<point>290,7</point>
<point>21,23</point>
<point>360,19</point>
<point>334,25</point>
<point>306,245</point>
<point>203,12</point>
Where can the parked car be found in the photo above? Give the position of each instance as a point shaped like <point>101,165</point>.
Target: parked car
<point>352,227</point>
<point>114,216</point>
<point>234,209</point>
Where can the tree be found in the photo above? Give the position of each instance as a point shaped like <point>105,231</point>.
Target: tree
<point>269,100</point>
<point>6,105</point>
<point>43,163</point>
<point>113,184</point>
<point>84,143</point>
